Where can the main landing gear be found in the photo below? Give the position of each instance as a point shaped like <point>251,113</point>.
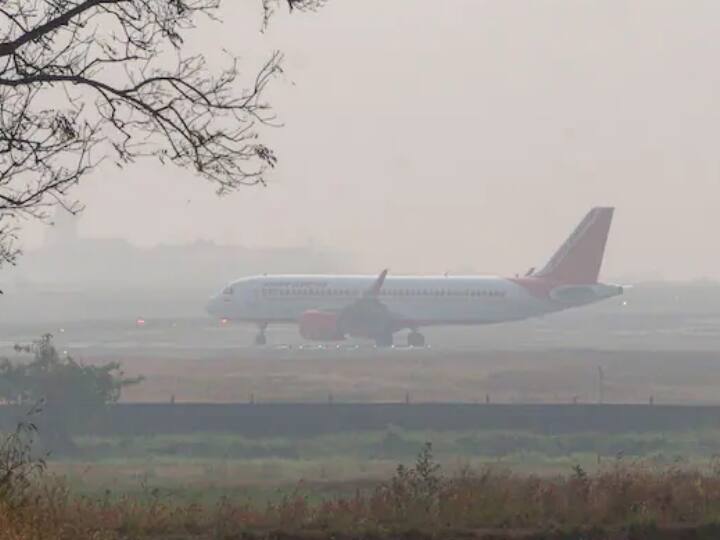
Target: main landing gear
<point>415,339</point>
<point>384,340</point>
<point>261,338</point>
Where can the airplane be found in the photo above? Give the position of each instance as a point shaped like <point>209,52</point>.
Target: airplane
<point>331,308</point>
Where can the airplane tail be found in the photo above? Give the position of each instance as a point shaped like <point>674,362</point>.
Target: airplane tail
<point>579,259</point>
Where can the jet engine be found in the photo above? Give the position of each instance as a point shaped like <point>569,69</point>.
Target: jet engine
<point>318,325</point>
<point>366,317</point>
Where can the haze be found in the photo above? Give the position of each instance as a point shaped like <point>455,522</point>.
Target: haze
<point>419,136</point>
<point>464,134</point>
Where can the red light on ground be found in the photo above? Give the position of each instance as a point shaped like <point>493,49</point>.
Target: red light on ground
<point>140,322</point>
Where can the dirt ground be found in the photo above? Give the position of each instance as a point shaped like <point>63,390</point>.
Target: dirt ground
<point>551,376</point>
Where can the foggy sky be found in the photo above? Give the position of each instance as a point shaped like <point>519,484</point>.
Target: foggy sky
<point>462,134</point>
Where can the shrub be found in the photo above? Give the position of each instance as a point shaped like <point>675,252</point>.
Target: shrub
<point>72,392</point>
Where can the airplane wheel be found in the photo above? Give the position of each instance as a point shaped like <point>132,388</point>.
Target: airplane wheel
<point>416,339</point>
<point>260,340</point>
<point>384,340</point>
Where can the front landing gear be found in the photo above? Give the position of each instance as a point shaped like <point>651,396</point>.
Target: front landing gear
<point>261,338</point>
<point>415,339</point>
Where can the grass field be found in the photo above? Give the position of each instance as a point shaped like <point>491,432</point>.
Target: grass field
<point>620,500</point>
<point>210,466</point>
<point>398,444</point>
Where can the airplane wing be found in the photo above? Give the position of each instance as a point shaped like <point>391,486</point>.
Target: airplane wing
<point>374,291</point>
<point>366,317</point>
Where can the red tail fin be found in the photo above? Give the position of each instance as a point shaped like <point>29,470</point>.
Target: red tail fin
<point>579,259</point>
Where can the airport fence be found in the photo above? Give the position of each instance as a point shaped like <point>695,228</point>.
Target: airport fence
<point>308,419</point>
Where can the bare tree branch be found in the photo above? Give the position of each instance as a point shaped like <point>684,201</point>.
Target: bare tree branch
<point>83,82</point>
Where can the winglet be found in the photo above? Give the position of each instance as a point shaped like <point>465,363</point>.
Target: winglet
<point>377,286</point>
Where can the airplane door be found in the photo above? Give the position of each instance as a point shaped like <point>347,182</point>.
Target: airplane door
<point>252,298</point>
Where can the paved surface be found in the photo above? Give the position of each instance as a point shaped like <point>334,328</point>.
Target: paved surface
<point>655,341</point>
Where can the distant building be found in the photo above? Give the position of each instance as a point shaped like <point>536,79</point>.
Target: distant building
<point>68,261</point>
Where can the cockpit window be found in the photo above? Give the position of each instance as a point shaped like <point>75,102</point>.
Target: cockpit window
<point>228,290</point>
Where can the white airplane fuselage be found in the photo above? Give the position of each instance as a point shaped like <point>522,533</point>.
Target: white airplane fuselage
<point>417,300</point>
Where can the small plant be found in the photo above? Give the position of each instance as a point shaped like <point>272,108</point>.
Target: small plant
<point>413,494</point>
<point>19,465</point>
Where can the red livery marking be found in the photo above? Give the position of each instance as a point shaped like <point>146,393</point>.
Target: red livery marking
<point>538,287</point>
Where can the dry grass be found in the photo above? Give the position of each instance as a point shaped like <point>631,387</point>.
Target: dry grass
<point>419,498</point>
<point>434,375</point>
